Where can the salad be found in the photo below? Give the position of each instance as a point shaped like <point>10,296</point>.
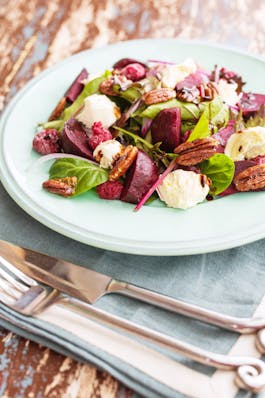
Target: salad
<point>156,130</point>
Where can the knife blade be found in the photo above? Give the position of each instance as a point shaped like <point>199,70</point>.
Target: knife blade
<point>89,286</point>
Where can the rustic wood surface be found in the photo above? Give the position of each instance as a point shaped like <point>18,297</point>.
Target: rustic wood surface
<point>35,34</point>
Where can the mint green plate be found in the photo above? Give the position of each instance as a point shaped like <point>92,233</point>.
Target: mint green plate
<point>155,229</point>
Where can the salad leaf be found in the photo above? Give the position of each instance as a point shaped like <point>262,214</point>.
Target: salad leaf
<point>218,113</point>
<point>220,169</point>
<point>214,116</point>
<point>131,94</point>
<point>88,174</point>
<point>188,109</point>
<point>202,128</point>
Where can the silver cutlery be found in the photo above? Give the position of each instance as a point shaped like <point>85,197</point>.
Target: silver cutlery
<point>24,295</point>
<point>88,285</point>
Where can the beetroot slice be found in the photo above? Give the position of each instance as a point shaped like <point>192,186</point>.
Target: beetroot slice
<point>166,128</point>
<point>141,176</point>
<point>77,86</point>
<point>251,103</point>
<point>75,140</point>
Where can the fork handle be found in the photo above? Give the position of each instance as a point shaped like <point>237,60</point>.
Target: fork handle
<point>236,324</point>
<point>250,372</point>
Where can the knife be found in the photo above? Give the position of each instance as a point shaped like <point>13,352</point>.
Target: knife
<point>89,286</point>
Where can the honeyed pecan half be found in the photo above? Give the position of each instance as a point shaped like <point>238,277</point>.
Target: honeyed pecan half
<point>158,95</point>
<point>194,152</point>
<point>123,163</point>
<point>251,179</point>
<point>61,186</point>
<point>106,87</point>
<point>208,91</point>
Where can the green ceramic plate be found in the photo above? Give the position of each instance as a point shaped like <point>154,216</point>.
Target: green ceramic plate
<point>155,230</point>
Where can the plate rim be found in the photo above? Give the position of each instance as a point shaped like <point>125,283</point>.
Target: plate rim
<point>105,242</point>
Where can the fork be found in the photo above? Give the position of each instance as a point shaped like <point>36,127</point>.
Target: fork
<point>24,295</point>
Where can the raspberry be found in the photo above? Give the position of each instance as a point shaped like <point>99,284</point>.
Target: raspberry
<point>109,190</point>
<point>134,72</point>
<point>47,141</point>
<point>99,134</point>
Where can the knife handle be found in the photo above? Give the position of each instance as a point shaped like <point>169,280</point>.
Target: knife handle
<point>235,324</point>
<point>250,372</point>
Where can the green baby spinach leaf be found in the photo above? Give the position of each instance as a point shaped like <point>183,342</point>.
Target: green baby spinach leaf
<point>88,174</point>
<point>188,109</point>
<point>202,128</point>
<point>131,94</point>
<point>220,169</point>
<point>214,116</point>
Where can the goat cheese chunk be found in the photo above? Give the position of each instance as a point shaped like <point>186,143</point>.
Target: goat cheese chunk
<point>227,92</point>
<point>183,189</point>
<point>246,144</point>
<point>107,152</point>
<point>98,107</point>
<point>173,74</point>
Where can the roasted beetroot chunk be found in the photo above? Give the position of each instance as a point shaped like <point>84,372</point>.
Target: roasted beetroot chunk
<point>166,128</point>
<point>76,87</point>
<point>75,139</point>
<point>141,176</point>
<point>109,190</point>
<point>251,103</point>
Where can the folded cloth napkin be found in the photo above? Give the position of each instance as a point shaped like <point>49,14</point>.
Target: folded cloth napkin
<point>230,281</point>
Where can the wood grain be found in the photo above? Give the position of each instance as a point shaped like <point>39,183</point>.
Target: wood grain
<point>35,34</point>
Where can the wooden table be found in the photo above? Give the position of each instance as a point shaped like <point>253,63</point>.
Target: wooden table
<point>35,34</point>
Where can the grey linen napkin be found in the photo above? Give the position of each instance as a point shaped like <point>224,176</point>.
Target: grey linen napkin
<point>231,281</point>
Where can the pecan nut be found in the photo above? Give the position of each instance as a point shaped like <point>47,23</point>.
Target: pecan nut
<point>123,163</point>
<point>251,179</point>
<point>61,186</point>
<point>208,91</point>
<point>194,152</point>
<point>106,87</point>
<point>158,95</point>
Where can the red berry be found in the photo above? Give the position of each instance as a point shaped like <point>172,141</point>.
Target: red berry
<point>109,190</point>
<point>98,134</point>
<point>134,72</point>
<point>47,141</point>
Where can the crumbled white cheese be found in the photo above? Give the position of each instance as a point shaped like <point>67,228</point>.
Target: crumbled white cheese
<point>246,144</point>
<point>98,107</point>
<point>183,189</point>
<point>107,152</point>
<point>227,92</point>
<point>173,74</point>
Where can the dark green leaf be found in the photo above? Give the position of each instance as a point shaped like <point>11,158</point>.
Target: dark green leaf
<point>88,174</point>
<point>188,109</point>
<point>220,169</point>
<point>214,117</point>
